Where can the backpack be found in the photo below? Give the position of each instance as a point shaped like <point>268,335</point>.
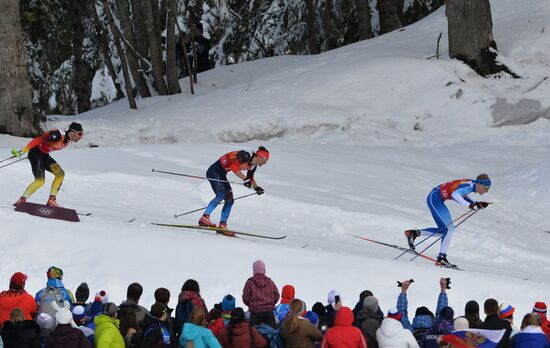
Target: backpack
<point>50,295</point>
<point>272,336</point>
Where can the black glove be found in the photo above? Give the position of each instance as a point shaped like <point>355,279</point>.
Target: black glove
<point>479,205</point>
<point>259,190</point>
<point>248,184</point>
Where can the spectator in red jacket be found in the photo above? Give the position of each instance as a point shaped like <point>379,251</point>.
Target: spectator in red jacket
<point>238,334</point>
<point>260,294</point>
<point>540,309</point>
<point>344,334</point>
<point>17,297</point>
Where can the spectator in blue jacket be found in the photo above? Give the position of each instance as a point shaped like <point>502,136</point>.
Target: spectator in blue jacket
<point>530,335</point>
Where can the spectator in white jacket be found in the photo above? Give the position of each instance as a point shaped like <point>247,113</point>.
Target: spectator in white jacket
<point>391,333</point>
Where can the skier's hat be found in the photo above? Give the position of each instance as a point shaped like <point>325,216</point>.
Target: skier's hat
<point>76,127</point>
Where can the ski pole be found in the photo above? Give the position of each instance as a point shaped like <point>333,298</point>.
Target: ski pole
<point>197,177</point>
<point>435,241</point>
<point>447,225</point>
<point>9,164</point>
<point>194,211</point>
<point>7,159</point>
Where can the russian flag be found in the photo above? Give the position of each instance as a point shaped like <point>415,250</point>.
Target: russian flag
<point>474,338</point>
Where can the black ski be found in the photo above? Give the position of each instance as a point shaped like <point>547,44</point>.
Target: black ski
<point>216,229</point>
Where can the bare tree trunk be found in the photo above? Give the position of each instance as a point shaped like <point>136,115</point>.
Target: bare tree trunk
<point>156,17</point>
<point>311,31</point>
<point>171,66</point>
<point>100,32</point>
<point>363,19</point>
<point>121,55</point>
<point>471,35</point>
<point>155,48</point>
<point>388,10</point>
<point>133,64</point>
<point>17,116</point>
<point>142,45</point>
<point>330,41</point>
<point>83,73</point>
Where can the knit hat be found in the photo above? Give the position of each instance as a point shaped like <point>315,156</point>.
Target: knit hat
<point>54,273</point>
<point>158,309</point>
<point>312,317</point>
<point>447,313</point>
<point>506,310</point>
<point>191,285</point>
<point>258,267</point>
<point>64,316</point>
<point>82,293</point>
<point>228,303</point>
<point>394,314</point>
<point>540,307</point>
<point>101,296</point>
<point>461,323</point>
<point>371,303</point>
<point>44,320</point>
<point>110,309</point>
<point>79,313</point>
<point>319,309</point>
<point>77,127</point>
<point>17,281</point>
<point>331,298</point>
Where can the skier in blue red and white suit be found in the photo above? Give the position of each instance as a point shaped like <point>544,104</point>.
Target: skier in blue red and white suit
<point>235,161</point>
<point>458,191</point>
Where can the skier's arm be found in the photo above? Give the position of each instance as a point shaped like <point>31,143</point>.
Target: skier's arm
<point>46,137</point>
<point>461,195</point>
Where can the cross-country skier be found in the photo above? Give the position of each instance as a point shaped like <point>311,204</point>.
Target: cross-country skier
<point>235,161</point>
<point>39,155</point>
<point>458,191</point>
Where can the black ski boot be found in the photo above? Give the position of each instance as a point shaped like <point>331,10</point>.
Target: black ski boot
<point>443,262</point>
<point>411,236</point>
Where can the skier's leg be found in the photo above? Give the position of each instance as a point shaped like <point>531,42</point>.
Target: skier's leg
<point>214,172</point>
<point>440,214</point>
<point>56,170</point>
<point>226,210</point>
<point>37,159</point>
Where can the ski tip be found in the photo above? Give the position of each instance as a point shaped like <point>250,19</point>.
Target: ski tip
<point>153,169</point>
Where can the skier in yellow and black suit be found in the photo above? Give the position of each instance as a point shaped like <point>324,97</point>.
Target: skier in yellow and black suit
<point>39,155</point>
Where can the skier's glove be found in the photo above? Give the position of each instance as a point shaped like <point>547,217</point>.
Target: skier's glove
<point>479,205</point>
<point>16,153</point>
<point>259,190</point>
<point>247,184</point>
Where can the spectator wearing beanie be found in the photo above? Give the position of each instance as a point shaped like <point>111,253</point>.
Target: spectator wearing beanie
<point>359,304</point>
<point>281,310</point>
<point>392,334</point>
<point>194,331</point>
<point>17,297</point>
<point>65,335</point>
<point>471,313</point>
<point>222,317</point>
<point>442,325</point>
<point>19,332</point>
<point>344,334</point>
<point>156,333</point>
<point>334,303</point>
<point>79,317</point>
<point>188,299</point>
<point>531,335</point>
<point>131,305</point>
<point>493,322</point>
<point>319,309</point>
<point>96,308</point>
<point>107,334</point>
<point>238,333</point>
<point>297,331</point>
<point>260,294</point>
<point>55,277</point>
<point>506,312</point>
<point>369,320</point>
<point>45,322</point>
<point>540,309</point>
<point>81,296</point>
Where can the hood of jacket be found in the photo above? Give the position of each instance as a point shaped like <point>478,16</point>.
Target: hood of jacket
<point>287,294</point>
<point>366,313</point>
<point>191,331</point>
<point>344,317</point>
<point>188,296</point>
<point>56,283</point>
<point>103,319</point>
<point>390,327</point>
<point>64,334</point>
<point>260,280</point>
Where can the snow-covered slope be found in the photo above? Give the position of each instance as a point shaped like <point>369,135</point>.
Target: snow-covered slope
<point>358,137</point>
